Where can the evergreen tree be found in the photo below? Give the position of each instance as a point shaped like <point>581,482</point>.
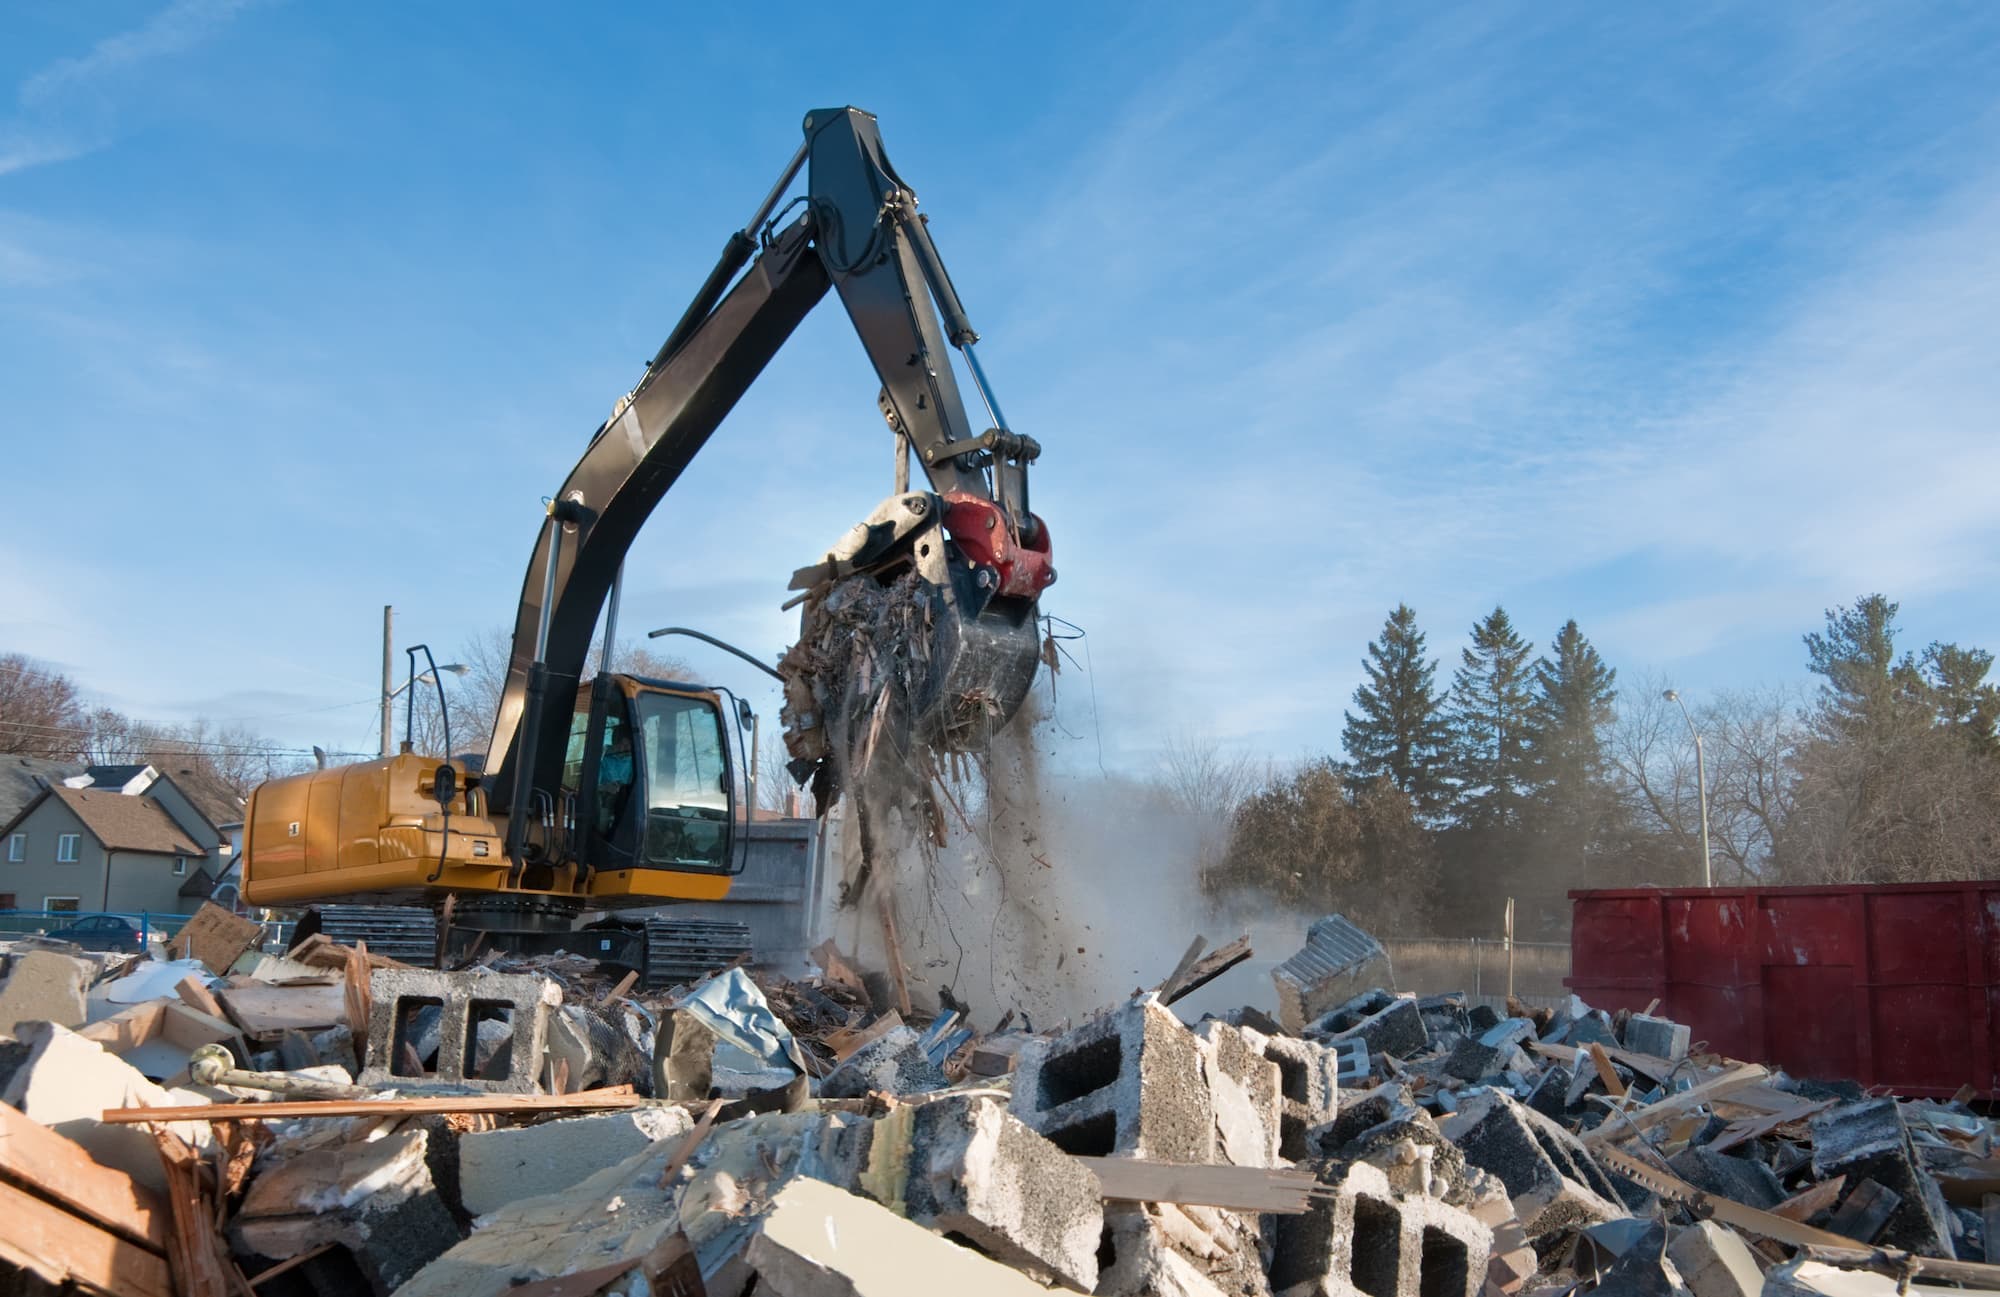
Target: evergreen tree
<point>1399,733</point>
<point>1491,717</point>
<point>1855,655</point>
<point>1960,695</point>
<point>1574,693</point>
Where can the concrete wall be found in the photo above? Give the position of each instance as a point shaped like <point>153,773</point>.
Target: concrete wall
<point>139,881</point>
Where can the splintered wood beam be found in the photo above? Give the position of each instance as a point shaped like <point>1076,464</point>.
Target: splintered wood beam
<point>1237,1188</point>
<point>894,948</point>
<point>40,1160</point>
<point>604,1100</point>
<point>69,1251</point>
<point>1206,969</point>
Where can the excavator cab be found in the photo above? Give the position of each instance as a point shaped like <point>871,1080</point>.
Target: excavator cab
<point>653,780</point>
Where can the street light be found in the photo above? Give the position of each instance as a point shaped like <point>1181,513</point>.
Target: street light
<point>427,678</point>
<point>1701,783</point>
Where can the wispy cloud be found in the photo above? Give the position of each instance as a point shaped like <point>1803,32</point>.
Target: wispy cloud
<point>72,107</point>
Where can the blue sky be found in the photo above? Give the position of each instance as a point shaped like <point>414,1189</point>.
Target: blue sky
<point>1677,320</point>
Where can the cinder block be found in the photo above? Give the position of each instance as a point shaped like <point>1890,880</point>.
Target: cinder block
<point>1552,1179</point>
<point>1243,1086</point>
<point>1446,1016</point>
<point>1338,958</point>
<point>469,1052</point>
<point>1128,1081</point>
<point>976,1172</point>
<point>1871,1141</point>
<point>1660,1037</point>
<point>44,986</point>
<point>1715,1262</point>
<point>894,1064</point>
<point>1369,1241</point>
<point>1308,1091</point>
<point>1388,1024</point>
<point>496,1167</point>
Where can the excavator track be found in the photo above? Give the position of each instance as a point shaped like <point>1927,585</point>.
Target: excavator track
<point>684,950</point>
<point>407,933</point>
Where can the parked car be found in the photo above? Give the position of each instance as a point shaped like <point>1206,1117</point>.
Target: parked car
<point>101,932</point>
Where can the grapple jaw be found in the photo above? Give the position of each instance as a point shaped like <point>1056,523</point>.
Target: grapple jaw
<point>918,635</point>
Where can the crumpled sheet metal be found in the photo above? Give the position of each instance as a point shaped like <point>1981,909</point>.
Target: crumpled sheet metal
<point>731,1006</point>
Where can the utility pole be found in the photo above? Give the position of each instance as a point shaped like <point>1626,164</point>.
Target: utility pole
<point>388,675</point>
<point>1700,781</point>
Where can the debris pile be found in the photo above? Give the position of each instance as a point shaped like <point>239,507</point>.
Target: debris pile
<point>331,1122</point>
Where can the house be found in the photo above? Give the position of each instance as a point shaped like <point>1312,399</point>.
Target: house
<point>124,838</point>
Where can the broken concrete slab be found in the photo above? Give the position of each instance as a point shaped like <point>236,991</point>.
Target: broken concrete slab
<point>1129,1081</point>
<point>1338,959</point>
<point>1552,1180</point>
<point>1369,1239</point>
<point>1385,1023</point>
<point>1736,1178</point>
<point>463,1002</point>
<point>44,986</point>
<point>373,1198</point>
<point>1715,1262</point>
<point>504,1165</point>
<point>969,1169</point>
<point>817,1240</point>
<point>895,1063</point>
<point>66,1083</point>
<point>1139,1260</point>
<point>1871,1141</point>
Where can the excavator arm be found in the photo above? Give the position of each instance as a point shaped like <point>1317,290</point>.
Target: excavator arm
<point>861,235</point>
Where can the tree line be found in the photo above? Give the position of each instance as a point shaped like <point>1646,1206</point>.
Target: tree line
<point>1530,774</point>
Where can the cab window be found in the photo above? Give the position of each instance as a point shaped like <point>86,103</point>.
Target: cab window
<point>687,790</point>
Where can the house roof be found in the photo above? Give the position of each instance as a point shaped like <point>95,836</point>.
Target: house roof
<point>114,778</point>
<point>122,823</point>
<point>213,798</point>
<point>22,780</point>
<point>198,885</point>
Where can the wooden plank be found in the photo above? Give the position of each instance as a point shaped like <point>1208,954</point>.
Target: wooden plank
<point>1865,1212</point>
<point>623,988</point>
<point>1606,1072</point>
<point>1238,1188</point>
<point>264,1008</point>
<point>1181,969</point>
<point>1654,1113</point>
<point>45,1240</point>
<point>198,996</point>
<point>200,1260</point>
<point>605,1100</point>
<point>35,1157</point>
<point>1816,1199</point>
<point>1209,967</point>
<point>895,950</point>
<point>216,937</point>
<point>844,1042</point>
<point>838,970</point>
<point>1757,1127</point>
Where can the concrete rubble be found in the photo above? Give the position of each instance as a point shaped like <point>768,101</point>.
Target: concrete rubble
<point>535,1126</point>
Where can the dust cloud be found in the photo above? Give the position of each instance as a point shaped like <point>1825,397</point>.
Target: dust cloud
<point>1055,893</point>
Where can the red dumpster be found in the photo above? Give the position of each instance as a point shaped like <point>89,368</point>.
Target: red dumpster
<point>1891,986</point>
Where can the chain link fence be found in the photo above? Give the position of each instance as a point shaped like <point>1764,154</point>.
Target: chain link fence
<point>1486,969</point>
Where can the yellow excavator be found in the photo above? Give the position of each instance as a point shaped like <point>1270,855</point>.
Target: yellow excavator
<point>617,792</point>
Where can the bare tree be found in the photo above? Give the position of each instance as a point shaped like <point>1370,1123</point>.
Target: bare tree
<point>41,714</point>
<point>1197,775</point>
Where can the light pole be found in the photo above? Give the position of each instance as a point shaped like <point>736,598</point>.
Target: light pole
<point>1700,781</point>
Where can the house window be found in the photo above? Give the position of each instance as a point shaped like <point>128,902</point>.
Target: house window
<point>7,901</point>
<point>180,866</point>
<point>17,848</point>
<point>66,849</point>
<point>59,904</point>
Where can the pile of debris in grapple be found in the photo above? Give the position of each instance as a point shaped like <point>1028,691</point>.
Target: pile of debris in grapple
<point>331,1122</point>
